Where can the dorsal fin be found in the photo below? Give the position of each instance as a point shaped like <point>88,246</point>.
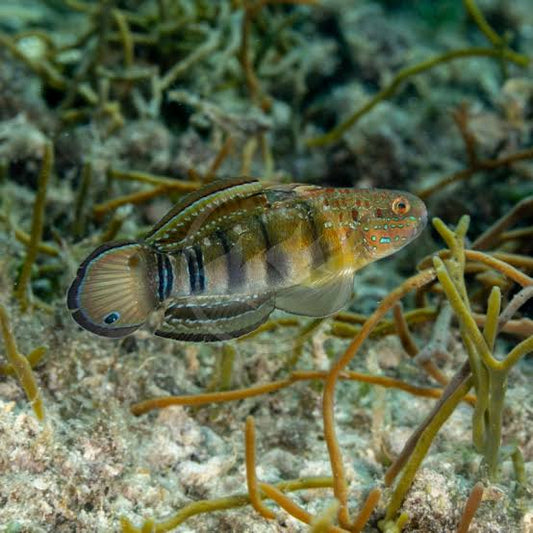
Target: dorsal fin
<point>176,224</point>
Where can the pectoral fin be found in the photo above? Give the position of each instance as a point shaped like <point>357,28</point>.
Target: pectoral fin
<point>319,298</point>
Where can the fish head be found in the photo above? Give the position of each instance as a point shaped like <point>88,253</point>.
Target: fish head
<point>389,220</point>
<point>114,291</point>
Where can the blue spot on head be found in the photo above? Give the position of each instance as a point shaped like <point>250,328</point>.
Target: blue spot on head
<point>384,240</point>
<point>112,317</point>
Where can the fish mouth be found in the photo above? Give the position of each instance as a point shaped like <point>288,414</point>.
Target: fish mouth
<point>421,213</point>
<point>423,219</point>
<point>420,227</point>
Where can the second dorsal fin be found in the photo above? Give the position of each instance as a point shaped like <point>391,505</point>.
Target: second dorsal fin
<point>178,222</point>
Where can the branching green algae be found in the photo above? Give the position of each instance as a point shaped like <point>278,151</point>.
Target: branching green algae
<point>482,371</point>
<point>404,74</point>
<point>472,503</point>
<point>221,504</point>
<point>22,366</point>
<point>499,50</point>
<point>23,290</point>
<point>489,373</point>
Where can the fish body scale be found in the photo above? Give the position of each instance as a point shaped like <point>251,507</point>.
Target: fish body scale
<point>223,258</point>
<point>272,245</point>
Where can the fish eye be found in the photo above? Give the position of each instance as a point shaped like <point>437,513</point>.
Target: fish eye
<point>112,317</point>
<point>400,206</point>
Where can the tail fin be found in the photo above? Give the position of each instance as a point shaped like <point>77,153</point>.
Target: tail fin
<point>114,291</point>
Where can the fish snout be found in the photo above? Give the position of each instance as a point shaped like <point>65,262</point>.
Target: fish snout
<point>418,216</point>
<point>402,219</point>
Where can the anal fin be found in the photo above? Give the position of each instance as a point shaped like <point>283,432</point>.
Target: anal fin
<point>212,319</point>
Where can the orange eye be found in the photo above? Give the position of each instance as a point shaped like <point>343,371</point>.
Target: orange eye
<point>400,206</point>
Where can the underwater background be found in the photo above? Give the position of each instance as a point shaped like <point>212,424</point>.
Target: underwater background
<point>112,110</point>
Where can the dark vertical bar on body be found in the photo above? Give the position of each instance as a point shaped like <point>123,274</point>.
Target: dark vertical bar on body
<point>165,276</point>
<point>200,273</point>
<point>277,261</point>
<point>234,261</point>
<point>318,248</point>
<point>160,278</point>
<point>170,277</point>
<point>190,256</point>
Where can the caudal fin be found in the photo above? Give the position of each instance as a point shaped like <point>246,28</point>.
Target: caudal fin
<point>114,291</point>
